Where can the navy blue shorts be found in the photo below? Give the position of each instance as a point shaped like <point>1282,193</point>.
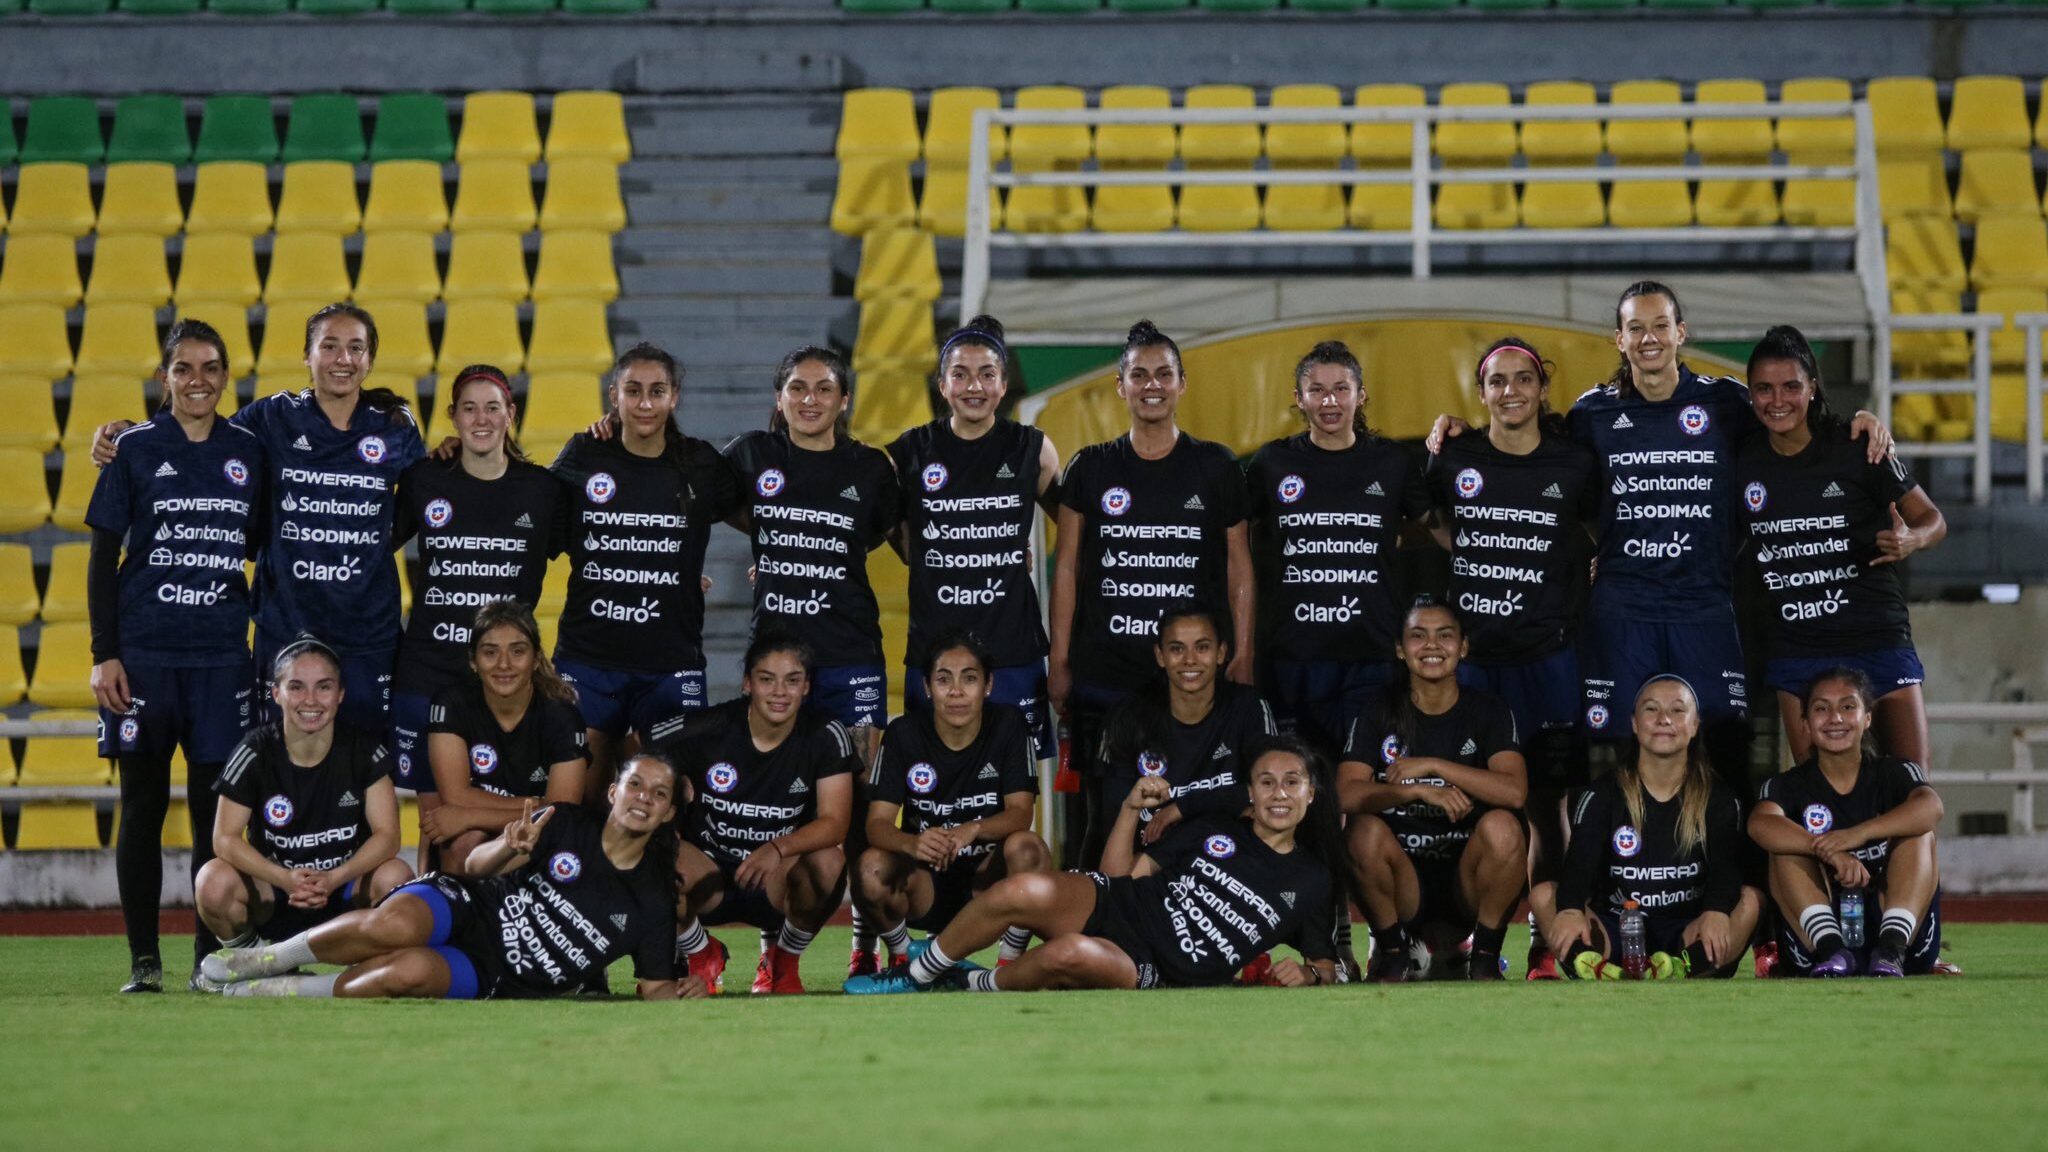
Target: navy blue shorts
<point>1617,656</point>
<point>1543,694</point>
<point>1921,952</point>
<point>287,921</point>
<point>742,905</point>
<point>365,684</point>
<point>654,704</point>
<point>453,910</point>
<point>853,694</point>
<point>204,710</point>
<point>409,742</point>
<point>1021,686</point>
<point>1889,670</point>
<point>1316,700</point>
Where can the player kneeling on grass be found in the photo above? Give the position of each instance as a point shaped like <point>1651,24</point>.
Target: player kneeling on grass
<point>551,903</point>
<point>1848,820</point>
<point>961,778</point>
<point>318,798</point>
<point>1191,911</point>
<point>1661,831</point>
<point>762,838</point>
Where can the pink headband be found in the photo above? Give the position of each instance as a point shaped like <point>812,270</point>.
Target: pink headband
<point>1529,352</point>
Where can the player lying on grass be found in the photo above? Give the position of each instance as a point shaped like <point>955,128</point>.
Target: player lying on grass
<point>558,896</point>
<point>318,798</point>
<point>1662,831</point>
<point>1192,910</point>
<point>961,777</point>
<point>1850,819</point>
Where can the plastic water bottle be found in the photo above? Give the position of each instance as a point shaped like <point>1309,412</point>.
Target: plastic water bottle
<point>1851,913</point>
<point>1635,953</point>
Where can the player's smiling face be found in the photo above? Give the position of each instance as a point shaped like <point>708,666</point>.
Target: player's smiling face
<point>1329,396</point>
<point>973,384</point>
<point>776,686</point>
<point>811,399</point>
<point>1513,391</point>
<point>1282,789</point>
<point>1151,384</point>
<point>483,415</point>
<point>1650,334</point>
<point>645,398</point>
<point>1666,718</point>
<point>308,693</point>
<point>504,658</point>
<point>1837,716</point>
<point>1432,644</point>
<point>194,379</point>
<point>644,796</point>
<point>1780,392</point>
<point>340,359</point>
<point>1191,653</point>
<point>958,686</point>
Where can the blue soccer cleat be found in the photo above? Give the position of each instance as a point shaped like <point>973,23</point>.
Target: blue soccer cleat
<point>888,982</point>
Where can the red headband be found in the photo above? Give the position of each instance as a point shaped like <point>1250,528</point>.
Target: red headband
<point>503,385</point>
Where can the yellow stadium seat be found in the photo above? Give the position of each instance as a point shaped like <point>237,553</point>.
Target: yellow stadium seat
<point>576,266</point>
<point>550,627</point>
<point>1929,353</point>
<point>877,124</point>
<point>63,664</point>
<point>558,405</point>
<point>31,418</point>
<point>948,122</point>
<point>1475,145</point>
<point>1305,207</point>
<point>51,825</point>
<point>901,263</point>
<point>1906,115</point>
<point>942,204</point>
<point>218,266</point>
<point>554,589</point>
<point>278,384</point>
<point>177,831</point>
<point>1383,207</point>
<point>873,194</point>
<point>2011,251</point>
<point>97,400</point>
<point>498,126</point>
<point>404,350</point>
<point>129,269</point>
<point>1987,112</point>
<point>1913,186</point>
<point>63,761</point>
<point>1048,148</point>
<point>485,266</point>
<point>407,386</point>
<point>1562,144</point>
<point>305,266</point>
<point>64,598</point>
<point>1922,253</point>
<point>409,815</point>
<point>230,318</point>
<point>2009,345</point>
<point>1218,147</point>
<point>319,196</point>
<point>281,357</point>
<point>13,681</point>
<point>24,492</point>
<point>119,339</point>
<point>1995,181</point>
<point>588,126</point>
<point>39,269</point>
<point>893,330</point>
<point>1832,140</point>
<point>38,342</point>
<point>1733,203</point>
<point>1648,203</point>
<point>18,601</point>
<point>494,196</point>
<point>140,197</point>
<point>480,332</point>
<point>405,196</point>
<point>52,197</point>
<point>398,266</point>
<point>569,335</point>
<point>230,196</point>
<point>74,494</point>
<point>1123,147</point>
<point>583,196</point>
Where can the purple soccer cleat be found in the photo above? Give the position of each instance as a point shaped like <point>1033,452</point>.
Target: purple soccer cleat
<point>1842,963</point>
<point>1887,963</point>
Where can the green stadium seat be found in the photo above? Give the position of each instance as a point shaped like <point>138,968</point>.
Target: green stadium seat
<point>1418,5</point>
<point>1987,112</point>
<point>52,197</point>
<point>427,7</point>
<point>515,7</point>
<point>249,7</point>
<point>971,6</point>
<point>140,197</point>
<point>1059,6</point>
<point>1498,5</point>
<point>38,345</point>
<point>150,128</point>
<point>236,128</point>
<point>67,7</point>
<point>485,265</point>
<point>604,7</point>
<point>588,126</point>
<point>1688,4</point>
<point>63,128</point>
<point>231,196</point>
<point>1147,5</point>
<point>129,270</point>
<point>337,7</point>
<point>1238,5</point>
<point>875,6</point>
<point>325,127</point>
<point>9,147</point>
<point>1595,5</point>
<point>160,7</point>
<point>498,126</point>
<point>413,126</point>
<point>398,266</point>
<point>40,269</point>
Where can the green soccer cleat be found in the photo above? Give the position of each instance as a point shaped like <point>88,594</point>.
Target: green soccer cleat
<point>1592,966</point>
<point>1665,966</point>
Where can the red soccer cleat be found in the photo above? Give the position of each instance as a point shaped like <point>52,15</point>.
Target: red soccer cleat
<point>1945,967</point>
<point>777,973</point>
<point>708,965</point>
<point>1255,973</point>
<point>1543,966</point>
<point>1766,957</point>
<point>862,963</point>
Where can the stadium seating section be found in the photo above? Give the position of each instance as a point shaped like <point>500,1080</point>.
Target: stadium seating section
<point>489,8</point>
<point>1077,7</point>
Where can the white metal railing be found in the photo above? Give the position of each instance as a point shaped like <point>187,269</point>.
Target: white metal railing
<point>2032,325</point>
<point>2029,726</point>
<point>1886,388</point>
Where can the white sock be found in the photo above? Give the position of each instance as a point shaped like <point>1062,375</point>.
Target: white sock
<point>1900,919</point>
<point>286,987</point>
<point>273,959</point>
<point>898,939</point>
<point>692,939</point>
<point>794,939</point>
<point>863,935</point>
<point>1819,922</point>
<point>982,980</point>
<point>1015,941</point>
<point>930,966</point>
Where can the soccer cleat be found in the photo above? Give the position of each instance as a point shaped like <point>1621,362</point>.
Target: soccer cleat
<point>200,984</point>
<point>1665,966</point>
<point>1766,955</point>
<point>776,974</point>
<point>144,975</point>
<point>1945,967</point>
<point>862,963</point>
<point>1888,962</point>
<point>708,964</point>
<point>231,965</point>
<point>1543,966</point>
<point>1842,963</point>
<point>1254,973</point>
<point>1486,966</point>
<point>1590,965</point>
<point>1391,966</point>
<point>889,981</point>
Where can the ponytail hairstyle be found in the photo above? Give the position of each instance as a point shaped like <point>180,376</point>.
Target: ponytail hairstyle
<point>1857,683</point>
<point>1332,354</point>
<point>647,353</point>
<point>957,640</point>
<point>768,642</point>
<point>1151,707</point>
<point>1321,831</point>
<point>1144,334</point>
<point>983,331</point>
<point>836,365</point>
<point>1398,707</point>
<point>489,374</point>
<point>663,843</point>
<point>1548,421</point>
<point>547,682</point>
<point>379,399</point>
<point>1694,794</point>
<point>1624,377</point>
<point>1784,342</point>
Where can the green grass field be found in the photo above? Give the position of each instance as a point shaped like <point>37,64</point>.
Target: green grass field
<point>1928,1064</point>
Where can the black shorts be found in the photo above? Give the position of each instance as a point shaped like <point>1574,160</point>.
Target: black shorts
<point>1441,903</point>
<point>287,921</point>
<point>1921,952</point>
<point>742,905</point>
<point>1660,934</point>
<point>467,942</point>
<point>953,888</point>
<point>1132,915</point>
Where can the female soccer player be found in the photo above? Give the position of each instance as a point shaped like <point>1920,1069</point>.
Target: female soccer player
<point>335,451</point>
<point>1327,508</point>
<point>487,520</point>
<point>1829,527</point>
<point>763,835</point>
<point>508,732</point>
<point>815,502</point>
<point>1862,821</point>
<point>1190,911</point>
<point>1433,779</point>
<point>327,840</point>
<point>1153,515</point>
<point>1662,831</point>
<point>170,619</point>
<point>641,506</point>
<point>959,776</point>
<point>559,895</point>
<point>1513,502</point>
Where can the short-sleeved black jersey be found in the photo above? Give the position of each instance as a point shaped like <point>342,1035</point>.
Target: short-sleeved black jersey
<point>938,787</point>
<point>1810,801</point>
<point>1222,897</point>
<point>513,763</point>
<point>314,818</point>
<point>747,797</point>
<point>1612,859</point>
<point>1477,727</point>
<point>1203,762</point>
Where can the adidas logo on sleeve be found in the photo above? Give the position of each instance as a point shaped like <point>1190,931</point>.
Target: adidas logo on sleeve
<point>988,772</point>
<point>1470,747</point>
<point>165,470</point>
<point>348,800</point>
<point>797,787</point>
